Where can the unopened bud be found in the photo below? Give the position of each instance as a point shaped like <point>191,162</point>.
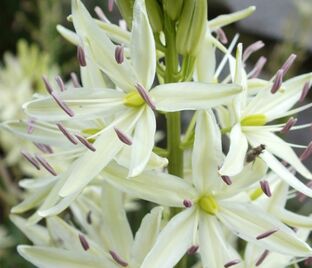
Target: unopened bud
<point>126,10</point>
<point>155,15</point>
<point>173,8</point>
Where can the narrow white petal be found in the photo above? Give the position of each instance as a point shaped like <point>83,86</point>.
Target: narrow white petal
<point>147,234</point>
<point>207,152</point>
<point>293,219</point>
<point>215,251</point>
<point>173,241</point>
<point>56,257</point>
<point>69,35</point>
<point>143,51</point>
<point>235,159</point>
<point>248,221</point>
<point>192,95</point>
<point>143,141</point>
<point>163,189</point>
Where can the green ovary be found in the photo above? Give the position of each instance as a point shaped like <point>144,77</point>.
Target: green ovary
<point>254,120</point>
<point>133,99</point>
<point>208,204</point>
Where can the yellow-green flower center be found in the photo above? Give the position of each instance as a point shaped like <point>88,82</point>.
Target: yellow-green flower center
<point>133,99</point>
<point>91,132</point>
<point>254,120</point>
<point>208,204</point>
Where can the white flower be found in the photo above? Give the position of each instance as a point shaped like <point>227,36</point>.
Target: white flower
<point>208,201</point>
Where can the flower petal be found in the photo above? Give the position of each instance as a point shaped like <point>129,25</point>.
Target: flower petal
<point>235,159</point>
<point>248,221</point>
<point>143,51</point>
<point>192,95</point>
<point>173,241</point>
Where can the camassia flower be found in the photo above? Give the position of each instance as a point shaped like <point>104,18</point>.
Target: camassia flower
<point>106,241</point>
<point>246,119</point>
<point>131,104</point>
<point>209,200</point>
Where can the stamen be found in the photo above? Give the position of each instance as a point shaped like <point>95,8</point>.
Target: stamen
<point>118,259</point>
<point>255,72</point>
<point>226,179</point>
<point>307,152</point>
<point>119,54</point>
<point>231,263</point>
<point>60,83</point>
<point>44,148</point>
<point>192,250</point>
<point>47,84</point>
<point>266,234</point>
<point>62,104</point>
<point>277,81</point>
<point>262,257</point>
<point>145,96</point>
<point>288,63</point>
<point>266,188</point>
<point>123,137</point>
<point>45,164</point>
<point>222,36</point>
<point>86,143</point>
<point>251,49</point>
<point>74,79</point>
<point>30,126</point>
<point>84,243</point>
<point>81,56</point>
<point>187,203</point>
<point>67,134</point>
<point>290,123</point>
<point>305,91</point>
<point>89,218</point>
<point>31,159</point>
<point>110,5</point>
<point>99,12</point>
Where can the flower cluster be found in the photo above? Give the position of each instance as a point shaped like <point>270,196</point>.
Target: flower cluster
<point>97,155</point>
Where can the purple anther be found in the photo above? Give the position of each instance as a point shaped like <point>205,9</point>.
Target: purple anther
<point>307,152</point>
<point>44,148</point>
<point>60,83</point>
<point>222,36</point>
<point>74,79</point>
<point>47,84</point>
<point>30,126</point>
<point>86,143</point>
<point>89,218</point>
<point>232,263</point>
<point>119,54</point>
<point>143,93</point>
<point>117,259</point>
<point>251,49</point>
<point>123,136</point>
<point>265,186</point>
<point>290,123</point>
<point>192,250</point>
<point>111,5</point>
<point>45,164</point>
<point>31,159</point>
<point>288,63</point>
<point>277,81</point>
<point>84,243</point>
<point>62,104</point>
<point>187,203</point>
<point>308,261</point>
<point>81,56</point>
<point>262,257</point>
<point>226,179</point>
<point>66,133</point>
<point>266,234</point>
<point>305,91</point>
<point>99,12</point>
<point>255,72</point>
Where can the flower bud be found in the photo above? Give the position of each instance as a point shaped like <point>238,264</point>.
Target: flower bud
<point>126,10</point>
<point>173,8</point>
<point>155,15</point>
<point>191,27</point>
